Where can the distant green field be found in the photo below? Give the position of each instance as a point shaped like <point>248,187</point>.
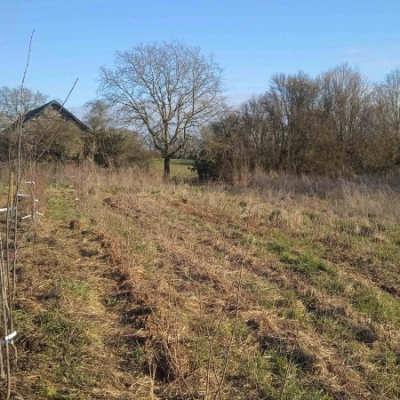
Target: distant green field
<point>180,168</point>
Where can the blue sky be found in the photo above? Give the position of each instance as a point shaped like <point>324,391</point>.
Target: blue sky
<point>250,39</point>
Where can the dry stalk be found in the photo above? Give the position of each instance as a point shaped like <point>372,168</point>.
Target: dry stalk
<point>6,319</point>
<point>8,263</point>
<point>211,361</point>
<point>233,332</point>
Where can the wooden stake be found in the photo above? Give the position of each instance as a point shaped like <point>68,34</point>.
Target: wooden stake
<point>11,188</point>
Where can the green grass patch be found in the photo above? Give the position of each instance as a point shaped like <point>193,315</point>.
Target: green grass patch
<point>286,383</point>
<point>257,369</point>
<point>332,327</point>
<point>48,391</point>
<point>380,306</point>
<point>180,168</point>
<point>77,289</point>
<point>184,162</point>
<point>23,320</point>
<point>385,375</point>
<point>303,262</point>
<point>61,206</point>
<point>61,330</point>
<point>259,290</point>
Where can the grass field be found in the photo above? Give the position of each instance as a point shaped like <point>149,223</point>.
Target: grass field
<point>284,288</point>
<point>181,169</point>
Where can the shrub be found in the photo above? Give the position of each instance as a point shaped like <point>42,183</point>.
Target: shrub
<point>116,148</point>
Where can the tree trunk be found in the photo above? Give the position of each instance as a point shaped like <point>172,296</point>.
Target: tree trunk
<point>166,167</point>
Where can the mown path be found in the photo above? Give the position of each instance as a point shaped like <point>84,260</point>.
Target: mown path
<point>70,311</point>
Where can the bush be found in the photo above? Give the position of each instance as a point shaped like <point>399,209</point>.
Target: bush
<point>206,169</point>
<point>116,148</point>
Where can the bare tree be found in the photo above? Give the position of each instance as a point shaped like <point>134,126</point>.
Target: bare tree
<point>14,102</point>
<point>291,103</point>
<point>169,90</point>
<point>255,125</point>
<point>98,115</point>
<point>345,99</point>
<point>388,99</point>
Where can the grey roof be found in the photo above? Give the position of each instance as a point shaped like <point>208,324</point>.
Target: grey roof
<point>59,108</point>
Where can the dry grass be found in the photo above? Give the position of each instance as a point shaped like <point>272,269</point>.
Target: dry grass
<point>279,288</point>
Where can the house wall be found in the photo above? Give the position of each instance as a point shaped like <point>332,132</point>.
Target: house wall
<point>48,117</point>
<point>51,136</point>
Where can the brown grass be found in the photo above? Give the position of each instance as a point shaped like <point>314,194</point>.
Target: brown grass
<point>281,288</point>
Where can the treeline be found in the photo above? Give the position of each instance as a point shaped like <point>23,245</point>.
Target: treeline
<point>335,124</point>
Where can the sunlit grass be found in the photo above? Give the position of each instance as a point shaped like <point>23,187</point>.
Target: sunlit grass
<point>180,168</point>
<point>242,291</point>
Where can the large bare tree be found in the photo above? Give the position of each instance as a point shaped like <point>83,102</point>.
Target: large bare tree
<point>168,90</point>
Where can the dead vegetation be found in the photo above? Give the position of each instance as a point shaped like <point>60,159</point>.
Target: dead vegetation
<point>137,289</point>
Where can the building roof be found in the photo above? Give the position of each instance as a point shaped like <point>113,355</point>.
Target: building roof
<point>59,108</point>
